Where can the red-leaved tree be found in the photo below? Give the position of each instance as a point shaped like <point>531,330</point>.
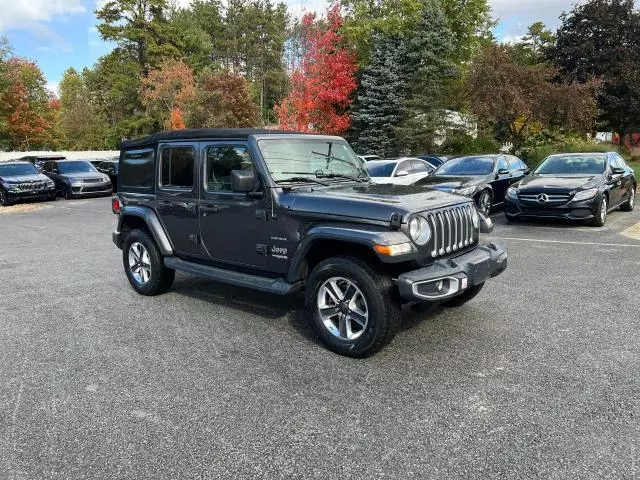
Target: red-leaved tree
<point>321,87</point>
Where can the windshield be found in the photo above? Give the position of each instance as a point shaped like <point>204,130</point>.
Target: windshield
<point>380,169</point>
<point>572,165</point>
<point>309,158</point>
<point>16,169</point>
<point>467,166</point>
<point>76,167</point>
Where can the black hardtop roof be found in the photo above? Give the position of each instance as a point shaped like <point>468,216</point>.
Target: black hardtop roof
<point>199,133</point>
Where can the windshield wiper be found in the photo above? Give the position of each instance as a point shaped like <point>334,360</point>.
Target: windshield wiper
<point>302,180</point>
<point>338,175</point>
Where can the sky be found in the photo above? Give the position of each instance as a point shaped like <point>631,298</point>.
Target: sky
<point>59,34</point>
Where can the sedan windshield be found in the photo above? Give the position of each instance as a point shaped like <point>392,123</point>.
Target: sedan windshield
<point>16,169</point>
<point>76,167</point>
<point>311,158</point>
<point>380,169</point>
<point>467,166</point>
<point>572,165</point>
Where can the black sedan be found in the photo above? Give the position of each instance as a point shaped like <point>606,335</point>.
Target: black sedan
<point>485,178</point>
<point>22,181</point>
<point>77,178</point>
<point>110,167</point>
<point>581,186</point>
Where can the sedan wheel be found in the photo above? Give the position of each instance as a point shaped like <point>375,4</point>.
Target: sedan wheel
<point>601,215</point>
<point>139,263</point>
<point>484,203</point>
<point>631,203</point>
<point>342,308</point>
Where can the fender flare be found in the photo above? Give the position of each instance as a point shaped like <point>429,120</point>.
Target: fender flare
<point>152,222</point>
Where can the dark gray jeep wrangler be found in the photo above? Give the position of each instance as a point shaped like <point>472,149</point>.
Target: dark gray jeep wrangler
<point>279,212</point>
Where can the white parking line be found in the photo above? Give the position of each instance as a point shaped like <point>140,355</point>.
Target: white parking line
<point>537,240</point>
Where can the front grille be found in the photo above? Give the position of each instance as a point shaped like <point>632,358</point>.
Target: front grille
<point>30,187</point>
<point>92,180</point>
<point>94,189</point>
<point>551,198</point>
<point>452,229</point>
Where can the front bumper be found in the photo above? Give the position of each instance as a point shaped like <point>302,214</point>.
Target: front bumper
<point>584,210</point>
<point>91,189</point>
<point>449,277</point>
<point>43,193</point>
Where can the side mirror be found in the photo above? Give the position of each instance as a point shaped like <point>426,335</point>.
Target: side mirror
<point>503,171</point>
<point>402,173</point>
<point>243,181</point>
<point>617,170</point>
<point>486,224</point>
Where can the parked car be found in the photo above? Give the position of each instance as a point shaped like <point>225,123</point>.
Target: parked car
<point>38,160</point>
<point>369,158</point>
<point>580,186</point>
<point>110,167</point>
<point>77,178</point>
<point>485,178</point>
<point>281,212</point>
<point>434,160</point>
<point>22,181</point>
<point>399,171</point>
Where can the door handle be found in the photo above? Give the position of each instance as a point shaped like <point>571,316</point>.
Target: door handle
<point>165,203</point>
<point>209,208</point>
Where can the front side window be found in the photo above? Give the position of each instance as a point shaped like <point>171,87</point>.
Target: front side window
<point>467,166</point>
<point>502,164</point>
<point>221,161</point>
<point>177,167</point>
<point>309,158</point>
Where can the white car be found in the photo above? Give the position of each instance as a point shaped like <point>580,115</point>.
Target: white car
<point>400,171</point>
<point>369,158</point>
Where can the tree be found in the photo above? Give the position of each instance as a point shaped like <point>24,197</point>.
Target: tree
<point>80,125</point>
<point>167,90</point>
<point>322,86</point>
<point>27,105</point>
<point>469,23</point>
<point>222,100</point>
<point>141,28</point>
<point>513,98</point>
<point>601,39</point>
<point>535,46</point>
<point>6,52</point>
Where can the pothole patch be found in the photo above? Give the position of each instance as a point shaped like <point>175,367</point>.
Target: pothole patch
<point>633,232</point>
<point>21,208</point>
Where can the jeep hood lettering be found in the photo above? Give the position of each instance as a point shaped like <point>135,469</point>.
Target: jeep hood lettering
<point>370,202</point>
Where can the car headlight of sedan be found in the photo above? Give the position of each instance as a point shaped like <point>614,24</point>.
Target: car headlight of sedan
<point>466,191</point>
<point>419,230</point>
<point>512,192</point>
<point>585,195</point>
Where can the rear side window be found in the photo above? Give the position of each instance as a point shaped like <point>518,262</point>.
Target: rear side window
<point>177,167</point>
<point>137,169</point>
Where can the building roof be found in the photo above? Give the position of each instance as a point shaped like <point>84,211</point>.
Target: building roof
<point>198,133</point>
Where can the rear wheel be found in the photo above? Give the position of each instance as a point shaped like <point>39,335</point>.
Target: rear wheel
<point>484,202</point>
<point>600,217</point>
<point>66,193</point>
<point>354,310</point>
<point>463,298</point>
<point>144,264</point>
<point>631,203</point>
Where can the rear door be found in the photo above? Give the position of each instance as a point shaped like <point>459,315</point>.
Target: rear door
<point>176,195</point>
<point>233,225</point>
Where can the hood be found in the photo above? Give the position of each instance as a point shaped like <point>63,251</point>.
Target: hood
<point>83,175</point>
<point>366,201</point>
<point>560,183</point>
<point>36,177</point>
<point>446,183</point>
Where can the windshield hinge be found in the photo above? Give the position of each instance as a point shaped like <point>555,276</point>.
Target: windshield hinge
<point>396,221</point>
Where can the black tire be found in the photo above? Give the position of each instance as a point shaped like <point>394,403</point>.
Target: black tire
<point>485,198</point>
<point>463,298</point>
<point>3,198</point>
<point>52,198</point>
<point>382,306</point>
<point>511,218</point>
<point>66,193</point>
<point>600,217</point>
<point>160,278</point>
<point>630,204</point>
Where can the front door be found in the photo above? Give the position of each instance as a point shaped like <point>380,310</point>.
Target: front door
<point>177,195</point>
<point>502,181</point>
<point>233,225</point>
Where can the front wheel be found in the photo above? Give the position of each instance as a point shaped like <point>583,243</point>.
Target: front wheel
<point>600,217</point>
<point>484,202</point>
<point>144,264</point>
<point>354,309</point>
<point>631,203</point>
<point>4,201</point>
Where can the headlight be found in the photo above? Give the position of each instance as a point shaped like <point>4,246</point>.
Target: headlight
<point>512,192</point>
<point>105,178</point>
<point>474,217</point>
<point>11,187</point>
<point>467,191</point>
<point>585,194</point>
<point>419,230</point>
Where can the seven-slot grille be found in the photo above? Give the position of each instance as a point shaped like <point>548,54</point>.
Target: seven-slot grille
<point>451,229</point>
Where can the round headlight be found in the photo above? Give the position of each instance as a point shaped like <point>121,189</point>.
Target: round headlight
<point>419,230</point>
<point>474,217</point>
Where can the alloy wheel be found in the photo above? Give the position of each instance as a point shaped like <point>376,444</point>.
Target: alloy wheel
<point>139,263</point>
<point>343,308</point>
<point>484,204</point>
<point>632,199</point>
<point>603,209</point>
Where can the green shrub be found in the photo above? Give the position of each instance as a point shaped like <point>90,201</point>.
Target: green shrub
<point>540,146</point>
<point>461,144</point>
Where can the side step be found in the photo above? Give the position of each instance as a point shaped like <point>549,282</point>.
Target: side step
<point>277,286</point>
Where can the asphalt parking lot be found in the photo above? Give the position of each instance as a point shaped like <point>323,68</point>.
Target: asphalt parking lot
<point>538,377</point>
